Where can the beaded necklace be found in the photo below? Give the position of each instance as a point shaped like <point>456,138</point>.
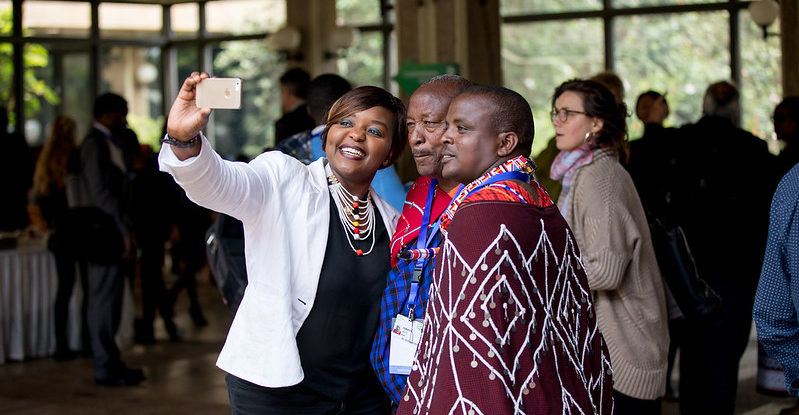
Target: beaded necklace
<point>357,216</point>
<point>519,163</point>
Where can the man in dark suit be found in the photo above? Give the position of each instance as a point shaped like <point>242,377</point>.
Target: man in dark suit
<point>724,182</point>
<point>293,92</point>
<point>104,187</point>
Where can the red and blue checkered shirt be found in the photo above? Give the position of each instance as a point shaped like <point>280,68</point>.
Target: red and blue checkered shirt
<point>398,287</point>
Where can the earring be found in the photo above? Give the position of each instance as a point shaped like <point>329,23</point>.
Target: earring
<point>588,136</point>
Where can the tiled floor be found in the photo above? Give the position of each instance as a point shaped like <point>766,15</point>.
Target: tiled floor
<point>182,377</point>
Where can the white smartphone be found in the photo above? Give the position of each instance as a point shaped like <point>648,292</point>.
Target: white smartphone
<point>222,93</point>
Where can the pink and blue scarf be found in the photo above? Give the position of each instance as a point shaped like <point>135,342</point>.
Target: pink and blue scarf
<point>565,167</point>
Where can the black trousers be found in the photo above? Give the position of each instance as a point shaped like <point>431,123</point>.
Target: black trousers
<point>65,268</point>
<point>247,398</point>
<point>711,351</point>
<point>627,405</point>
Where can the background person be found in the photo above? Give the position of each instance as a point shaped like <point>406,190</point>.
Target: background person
<point>317,254</point>
<point>601,205</point>
<point>50,195</point>
<point>723,182</point>
<point>293,92</point>
<point>104,181</point>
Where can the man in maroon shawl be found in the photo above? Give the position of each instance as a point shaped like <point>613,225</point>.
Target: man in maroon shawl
<point>510,325</point>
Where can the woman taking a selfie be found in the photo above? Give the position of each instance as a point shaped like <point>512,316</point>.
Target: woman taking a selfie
<point>316,248</point>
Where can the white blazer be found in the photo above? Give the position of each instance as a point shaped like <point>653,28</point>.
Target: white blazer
<point>284,206</point>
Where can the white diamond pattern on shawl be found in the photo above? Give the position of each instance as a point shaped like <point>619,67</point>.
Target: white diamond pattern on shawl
<point>546,309</point>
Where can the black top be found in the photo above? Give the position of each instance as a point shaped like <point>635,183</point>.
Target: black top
<point>335,340</point>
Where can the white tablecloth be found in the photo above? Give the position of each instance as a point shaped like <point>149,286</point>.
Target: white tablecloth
<point>28,283</point>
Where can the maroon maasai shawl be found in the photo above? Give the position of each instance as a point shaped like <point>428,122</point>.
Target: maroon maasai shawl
<point>510,325</point>
<point>408,224</point>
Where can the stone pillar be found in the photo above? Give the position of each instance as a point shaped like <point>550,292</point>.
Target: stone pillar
<point>461,31</point>
<point>315,19</point>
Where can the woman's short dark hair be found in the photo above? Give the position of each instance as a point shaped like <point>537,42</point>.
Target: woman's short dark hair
<point>599,102</point>
<point>363,98</point>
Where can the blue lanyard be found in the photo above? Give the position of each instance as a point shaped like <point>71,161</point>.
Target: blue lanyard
<point>421,242</point>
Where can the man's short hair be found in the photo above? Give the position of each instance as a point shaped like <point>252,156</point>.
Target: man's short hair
<point>323,91</point>
<point>511,113</point>
<point>790,104</point>
<point>296,80</point>
<point>458,82</point>
<point>722,99</point>
<point>109,102</point>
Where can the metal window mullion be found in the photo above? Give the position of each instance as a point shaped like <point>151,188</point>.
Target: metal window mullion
<point>735,53</point>
<point>168,61</point>
<point>94,51</point>
<point>608,20</point>
<point>18,65</point>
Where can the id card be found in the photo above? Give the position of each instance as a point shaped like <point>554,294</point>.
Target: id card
<point>405,338</point>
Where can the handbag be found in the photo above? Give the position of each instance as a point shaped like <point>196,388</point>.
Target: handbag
<point>88,233</point>
<point>225,252</point>
<point>678,269</point>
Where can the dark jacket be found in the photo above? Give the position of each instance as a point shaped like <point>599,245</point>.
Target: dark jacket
<point>293,122</point>
<point>724,179</point>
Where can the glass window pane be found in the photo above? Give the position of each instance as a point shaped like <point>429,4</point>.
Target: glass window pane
<point>185,19</point>
<point>188,62</point>
<point>76,100</point>
<point>363,63</point>
<point>41,92</point>
<point>251,129</point>
<point>56,18</point>
<point>537,57</point>
<point>132,72</point>
<point>56,83</point>
<point>5,18</point>
<point>677,54</point>
<point>761,77</point>
<point>515,7</point>
<point>124,21</point>
<point>244,16</point>
<point>647,3</point>
<point>6,82</point>
<point>357,12</point>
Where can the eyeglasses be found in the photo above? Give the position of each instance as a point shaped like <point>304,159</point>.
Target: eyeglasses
<point>563,114</point>
<point>429,126</point>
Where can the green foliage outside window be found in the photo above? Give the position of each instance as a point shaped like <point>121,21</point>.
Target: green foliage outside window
<point>36,91</point>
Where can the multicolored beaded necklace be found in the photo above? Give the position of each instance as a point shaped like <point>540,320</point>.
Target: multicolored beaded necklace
<point>357,216</point>
<point>519,163</point>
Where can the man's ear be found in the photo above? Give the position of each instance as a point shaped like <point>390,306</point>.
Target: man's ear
<point>507,143</point>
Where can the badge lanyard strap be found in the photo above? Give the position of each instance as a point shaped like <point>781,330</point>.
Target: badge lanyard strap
<point>421,243</point>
